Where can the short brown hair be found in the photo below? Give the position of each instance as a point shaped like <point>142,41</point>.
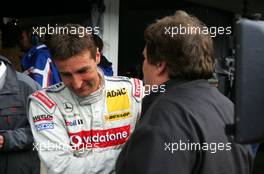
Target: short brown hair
<point>64,45</point>
<point>187,56</point>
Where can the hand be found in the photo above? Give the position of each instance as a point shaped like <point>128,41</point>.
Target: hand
<point>1,141</point>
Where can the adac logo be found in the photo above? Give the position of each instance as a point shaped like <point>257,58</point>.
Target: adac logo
<point>117,92</point>
<point>68,107</point>
<point>117,100</point>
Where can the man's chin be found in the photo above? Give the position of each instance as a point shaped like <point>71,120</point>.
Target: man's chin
<point>82,93</point>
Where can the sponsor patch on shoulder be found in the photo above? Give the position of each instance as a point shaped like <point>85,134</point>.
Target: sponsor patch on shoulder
<point>44,99</point>
<point>44,126</point>
<point>119,78</point>
<point>122,78</point>
<point>137,88</point>
<point>55,88</point>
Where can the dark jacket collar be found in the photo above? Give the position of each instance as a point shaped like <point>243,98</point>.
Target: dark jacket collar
<point>172,83</point>
<point>148,99</point>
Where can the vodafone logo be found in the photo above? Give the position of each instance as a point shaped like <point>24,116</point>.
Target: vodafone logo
<point>100,138</point>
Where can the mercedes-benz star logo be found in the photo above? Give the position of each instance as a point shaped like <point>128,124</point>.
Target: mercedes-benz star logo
<point>68,107</point>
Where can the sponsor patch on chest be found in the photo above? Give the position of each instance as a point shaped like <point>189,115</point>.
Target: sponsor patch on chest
<point>100,138</point>
<point>117,116</point>
<point>44,117</point>
<point>117,100</point>
<point>44,126</point>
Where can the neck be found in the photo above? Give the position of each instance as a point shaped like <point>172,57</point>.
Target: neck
<point>98,83</point>
<point>161,79</point>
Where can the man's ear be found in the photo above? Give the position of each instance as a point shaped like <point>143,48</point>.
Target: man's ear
<point>161,68</point>
<point>97,56</point>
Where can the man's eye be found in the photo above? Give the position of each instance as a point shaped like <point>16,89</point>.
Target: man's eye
<point>65,75</point>
<point>82,71</point>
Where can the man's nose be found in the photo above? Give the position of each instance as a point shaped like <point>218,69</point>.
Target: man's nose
<point>76,82</point>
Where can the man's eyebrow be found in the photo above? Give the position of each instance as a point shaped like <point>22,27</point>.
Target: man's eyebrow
<point>77,71</point>
<point>82,69</point>
<point>65,73</point>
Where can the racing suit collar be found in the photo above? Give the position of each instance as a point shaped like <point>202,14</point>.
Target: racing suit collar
<point>96,95</point>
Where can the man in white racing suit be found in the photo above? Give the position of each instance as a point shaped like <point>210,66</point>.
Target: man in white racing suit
<point>81,124</point>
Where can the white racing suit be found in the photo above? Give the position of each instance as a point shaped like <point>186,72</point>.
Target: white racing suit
<point>84,135</point>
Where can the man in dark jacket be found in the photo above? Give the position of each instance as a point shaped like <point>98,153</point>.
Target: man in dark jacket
<point>16,140</point>
<point>182,128</point>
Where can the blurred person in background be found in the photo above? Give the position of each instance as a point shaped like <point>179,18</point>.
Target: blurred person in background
<point>16,140</point>
<point>104,64</point>
<point>36,62</point>
<point>10,43</point>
